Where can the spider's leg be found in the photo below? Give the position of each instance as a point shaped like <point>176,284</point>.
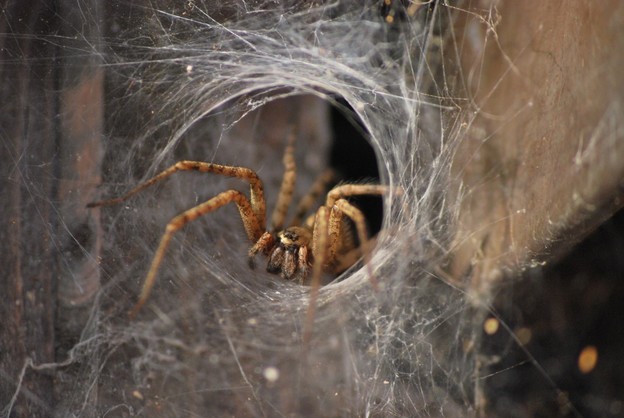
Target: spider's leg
<point>319,250</point>
<point>338,194</point>
<point>251,223</point>
<point>288,185</point>
<point>345,260</point>
<point>257,191</point>
<point>264,243</point>
<point>356,215</point>
<point>346,190</point>
<point>340,237</point>
<point>317,189</point>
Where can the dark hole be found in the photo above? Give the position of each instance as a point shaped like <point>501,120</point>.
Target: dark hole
<point>571,304</point>
<point>355,160</point>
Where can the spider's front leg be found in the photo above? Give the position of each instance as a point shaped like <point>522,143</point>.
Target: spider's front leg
<point>250,222</point>
<point>336,198</point>
<point>320,236</point>
<point>252,211</point>
<point>256,189</point>
<point>326,240</point>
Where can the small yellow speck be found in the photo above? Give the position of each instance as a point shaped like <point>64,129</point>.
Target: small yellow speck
<point>137,394</point>
<point>490,326</point>
<point>588,358</point>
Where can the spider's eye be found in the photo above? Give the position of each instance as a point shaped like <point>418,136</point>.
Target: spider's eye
<point>289,236</point>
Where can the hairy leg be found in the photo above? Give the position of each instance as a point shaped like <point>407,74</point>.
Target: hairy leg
<point>319,249</point>
<point>247,214</point>
<point>256,188</point>
<point>356,215</point>
<point>345,260</point>
<point>346,190</point>
<point>306,202</point>
<point>288,185</point>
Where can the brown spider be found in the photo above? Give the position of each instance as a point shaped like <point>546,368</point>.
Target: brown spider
<point>323,241</point>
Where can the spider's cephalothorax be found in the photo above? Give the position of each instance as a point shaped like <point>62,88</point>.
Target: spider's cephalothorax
<point>312,244</point>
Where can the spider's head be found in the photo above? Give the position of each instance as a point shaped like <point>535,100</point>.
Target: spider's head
<point>291,255</point>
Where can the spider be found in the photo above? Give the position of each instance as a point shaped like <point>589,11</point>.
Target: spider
<point>320,242</point>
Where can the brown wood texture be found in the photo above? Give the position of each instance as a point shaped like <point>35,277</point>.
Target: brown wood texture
<point>50,134</point>
<point>543,161</point>
<point>27,270</point>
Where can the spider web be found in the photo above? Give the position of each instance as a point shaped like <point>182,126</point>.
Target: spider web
<point>220,339</point>
<point>224,82</point>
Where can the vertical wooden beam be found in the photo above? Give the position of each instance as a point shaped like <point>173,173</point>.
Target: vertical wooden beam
<point>50,146</point>
<point>27,149</point>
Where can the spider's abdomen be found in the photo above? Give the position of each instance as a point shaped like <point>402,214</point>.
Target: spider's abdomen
<point>290,257</point>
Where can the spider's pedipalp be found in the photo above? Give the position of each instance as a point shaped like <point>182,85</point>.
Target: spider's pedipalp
<point>303,264</point>
<point>265,244</point>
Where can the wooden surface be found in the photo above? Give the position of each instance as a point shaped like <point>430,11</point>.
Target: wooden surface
<point>51,126</point>
<point>543,160</point>
<point>26,203</point>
